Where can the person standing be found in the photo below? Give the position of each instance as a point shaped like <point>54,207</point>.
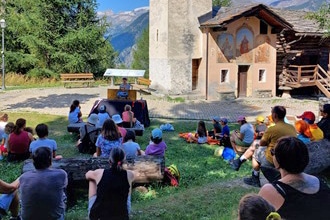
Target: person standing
<point>109,191</point>
<point>42,191</point>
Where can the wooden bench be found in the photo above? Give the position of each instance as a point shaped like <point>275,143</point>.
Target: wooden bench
<point>142,85</point>
<point>77,78</point>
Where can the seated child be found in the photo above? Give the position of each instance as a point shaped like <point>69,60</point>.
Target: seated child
<point>156,146</point>
<point>75,113</point>
<point>254,207</point>
<point>215,132</point>
<point>201,134</point>
<point>260,127</point>
<point>102,116</point>
<point>225,134</point>
<point>130,147</point>
<point>4,142</point>
<point>309,117</point>
<point>128,116</point>
<point>44,141</point>
<point>303,131</point>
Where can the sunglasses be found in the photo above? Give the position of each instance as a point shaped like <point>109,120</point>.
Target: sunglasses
<point>272,151</point>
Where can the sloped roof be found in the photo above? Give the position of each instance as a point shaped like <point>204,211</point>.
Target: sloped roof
<point>226,15</point>
<point>279,18</point>
<point>298,20</point>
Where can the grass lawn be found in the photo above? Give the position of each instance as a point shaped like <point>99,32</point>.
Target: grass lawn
<point>208,189</point>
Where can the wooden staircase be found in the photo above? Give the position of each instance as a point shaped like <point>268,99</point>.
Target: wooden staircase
<point>309,75</point>
<point>322,81</point>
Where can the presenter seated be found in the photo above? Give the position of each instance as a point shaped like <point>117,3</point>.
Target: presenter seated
<point>123,89</point>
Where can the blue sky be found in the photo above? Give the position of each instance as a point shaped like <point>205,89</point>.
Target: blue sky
<point>121,5</point>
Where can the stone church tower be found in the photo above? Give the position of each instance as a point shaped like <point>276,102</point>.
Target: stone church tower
<point>175,41</point>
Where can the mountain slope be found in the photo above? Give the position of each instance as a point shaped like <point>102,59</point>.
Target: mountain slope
<point>127,27</point>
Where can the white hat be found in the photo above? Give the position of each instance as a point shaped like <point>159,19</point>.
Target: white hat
<point>93,119</point>
<point>117,119</point>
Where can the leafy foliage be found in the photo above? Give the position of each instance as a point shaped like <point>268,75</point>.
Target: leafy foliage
<point>141,54</point>
<point>322,16</point>
<point>221,2</point>
<point>56,36</point>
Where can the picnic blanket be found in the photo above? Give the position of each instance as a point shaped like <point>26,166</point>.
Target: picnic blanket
<point>210,140</point>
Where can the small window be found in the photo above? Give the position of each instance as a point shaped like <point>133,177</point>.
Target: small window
<point>224,76</point>
<point>263,27</point>
<point>262,75</point>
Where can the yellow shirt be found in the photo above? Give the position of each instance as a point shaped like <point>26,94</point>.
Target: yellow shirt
<point>272,134</point>
<point>317,133</point>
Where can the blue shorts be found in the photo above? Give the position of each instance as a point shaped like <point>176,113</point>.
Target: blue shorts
<point>6,200</point>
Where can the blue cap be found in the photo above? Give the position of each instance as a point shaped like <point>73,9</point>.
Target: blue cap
<point>156,133</point>
<point>216,118</point>
<point>224,120</point>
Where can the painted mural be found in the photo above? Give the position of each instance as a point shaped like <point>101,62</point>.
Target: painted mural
<point>262,54</point>
<point>226,45</point>
<point>244,45</point>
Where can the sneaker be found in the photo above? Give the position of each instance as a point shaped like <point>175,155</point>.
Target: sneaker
<point>252,181</point>
<point>236,164</point>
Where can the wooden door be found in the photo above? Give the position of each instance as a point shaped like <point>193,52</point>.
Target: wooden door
<point>242,80</point>
<point>194,77</point>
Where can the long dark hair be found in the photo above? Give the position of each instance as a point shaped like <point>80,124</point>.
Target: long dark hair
<point>110,130</point>
<point>116,159</point>
<point>201,129</point>
<point>74,105</point>
<point>20,123</point>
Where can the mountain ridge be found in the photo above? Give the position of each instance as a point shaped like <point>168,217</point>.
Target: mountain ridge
<point>127,27</point>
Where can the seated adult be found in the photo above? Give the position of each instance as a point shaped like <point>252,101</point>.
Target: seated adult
<point>108,139</point>
<point>242,140</point>
<point>309,117</point>
<point>88,135</point>
<point>44,141</point>
<point>42,191</point>
<point>9,200</point>
<point>324,123</point>
<point>109,191</point>
<point>123,89</point>
<point>19,141</point>
<point>262,156</point>
<point>296,195</point>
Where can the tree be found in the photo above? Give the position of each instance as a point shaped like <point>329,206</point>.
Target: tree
<point>141,53</point>
<point>45,37</point>
<point>221,2</point>
<point>322,16</point>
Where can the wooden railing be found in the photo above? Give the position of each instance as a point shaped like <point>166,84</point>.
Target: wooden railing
<point>300,76</point>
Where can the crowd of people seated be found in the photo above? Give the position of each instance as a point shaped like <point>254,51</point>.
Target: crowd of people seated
<point>279,145</point>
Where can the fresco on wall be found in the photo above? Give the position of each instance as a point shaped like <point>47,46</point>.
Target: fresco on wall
<point>262,53</point>
<point>226,45</point>
<point>244,45</point>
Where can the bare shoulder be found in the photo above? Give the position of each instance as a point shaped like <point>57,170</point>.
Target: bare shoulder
<point>130,176</point>
<point>269,193</point>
